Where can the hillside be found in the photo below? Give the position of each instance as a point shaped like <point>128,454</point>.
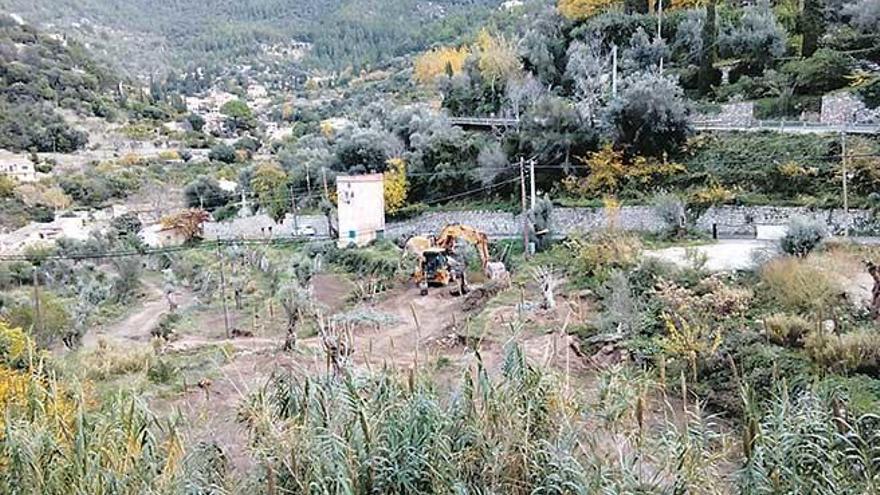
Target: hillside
<point>210,32</point>
<point>40,75</point>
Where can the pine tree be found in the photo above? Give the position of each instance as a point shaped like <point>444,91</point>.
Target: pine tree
<point>812,26</point>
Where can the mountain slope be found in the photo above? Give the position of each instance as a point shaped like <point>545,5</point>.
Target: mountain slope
<point>39,75</point>
<point>148,35</point>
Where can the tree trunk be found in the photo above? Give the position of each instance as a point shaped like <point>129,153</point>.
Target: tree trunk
<point>874,270</point>
<point>290,340</point>
<point>549,297</point>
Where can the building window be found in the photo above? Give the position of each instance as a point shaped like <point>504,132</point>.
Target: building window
<point>352,234</point>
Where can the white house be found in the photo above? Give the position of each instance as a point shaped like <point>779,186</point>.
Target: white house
<point>159,236</point>
<point>361,208</point>
<point>17,167</point>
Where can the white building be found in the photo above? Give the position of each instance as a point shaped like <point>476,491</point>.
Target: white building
<point>73,227</point>
<point>361,209</point>
<point>17,167</point>
<point>159,236</point>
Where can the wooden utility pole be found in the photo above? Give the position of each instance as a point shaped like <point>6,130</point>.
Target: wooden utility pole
<point>845,185</point>
<point>223,294</point>
<point>525,217</point>
<point>532,181</point>
<point>293,211</point>
<point>660,27</point>
<point>38,313</point>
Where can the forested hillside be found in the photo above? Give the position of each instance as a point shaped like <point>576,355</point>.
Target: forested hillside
<point>146,35</point>
<point>39,75</point>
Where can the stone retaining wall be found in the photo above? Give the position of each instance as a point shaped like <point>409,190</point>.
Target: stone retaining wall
<point>725,220</point>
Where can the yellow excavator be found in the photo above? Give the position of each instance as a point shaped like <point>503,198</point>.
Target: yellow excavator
<point>438,262</point>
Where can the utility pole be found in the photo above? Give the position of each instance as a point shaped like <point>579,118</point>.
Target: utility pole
<point>660,27</point>
<point>223,294</point>
<point>614,70</point>
<point>38,313</point>
<point>525,217</point>
<point>308,181</point>
<point>532,180</point>
<point>293,210</point>
<point>324,177</point>
<point>845,185</point>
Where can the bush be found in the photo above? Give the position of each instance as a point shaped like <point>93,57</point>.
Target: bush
<point>787,330</point>
<point>798,284</point>
<point>126,225</point>
<point>165,327</point>
<point>222,153</point>
<point>870,94</point>
<point>825,71</point>
<point>857,351</point>
<point>802,237</point>
<point>603,252</point>
<point>671,210</point>
<point>162,371</point>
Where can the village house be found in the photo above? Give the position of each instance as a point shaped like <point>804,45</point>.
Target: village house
<point>361,209</point>
<point>160,236</point>
<point>76,227</point>
<point>17,167</point>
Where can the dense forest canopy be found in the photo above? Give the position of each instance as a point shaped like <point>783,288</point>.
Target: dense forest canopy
<point>40,74</point>
<point>208,32</point>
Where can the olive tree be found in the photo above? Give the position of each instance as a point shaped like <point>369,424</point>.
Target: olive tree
<point>650,117</point>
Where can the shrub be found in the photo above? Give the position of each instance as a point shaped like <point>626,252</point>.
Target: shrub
<point>857,351</point>
<point>165,327</point>
<point>671,210</point>
<point>802,237</point>
<point>162,371</point>
<point>605,251</point>
<point>870,94</point>
<point>825,71</point>
<point>222,153</point>
<point>798,284</point>
<point>787,330</point>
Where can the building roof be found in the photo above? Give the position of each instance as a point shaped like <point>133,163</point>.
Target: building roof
<point>360,178</point>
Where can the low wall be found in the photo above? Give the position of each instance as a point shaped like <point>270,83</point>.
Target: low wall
<point>725,220</point>
<point>263,227</point>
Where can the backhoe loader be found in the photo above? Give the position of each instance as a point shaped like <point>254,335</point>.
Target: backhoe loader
<point>438,262</point>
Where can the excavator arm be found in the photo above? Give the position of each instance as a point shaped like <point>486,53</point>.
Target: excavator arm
<point>450,233</point>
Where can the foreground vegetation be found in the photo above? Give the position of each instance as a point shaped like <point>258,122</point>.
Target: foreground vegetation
<point>762,381</point>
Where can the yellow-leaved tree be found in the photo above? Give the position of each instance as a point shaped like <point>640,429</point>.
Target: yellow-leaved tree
<point>578,10</point>
<point>396,185</point>
<point>439,61</point>
<point>497,57</point>
<point>610,171</point>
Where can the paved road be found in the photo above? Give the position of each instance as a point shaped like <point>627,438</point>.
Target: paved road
<point>725,255</point>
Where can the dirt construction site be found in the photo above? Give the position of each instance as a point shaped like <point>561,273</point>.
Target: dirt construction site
<point>399,329</point>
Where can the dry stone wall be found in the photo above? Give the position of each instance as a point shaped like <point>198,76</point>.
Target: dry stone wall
<point>725,220</point>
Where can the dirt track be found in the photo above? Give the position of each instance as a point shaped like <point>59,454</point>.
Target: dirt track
<point>137,326</point>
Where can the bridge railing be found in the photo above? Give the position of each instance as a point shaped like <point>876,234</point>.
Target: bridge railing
<point>787,125</point>
<point>710,124</point>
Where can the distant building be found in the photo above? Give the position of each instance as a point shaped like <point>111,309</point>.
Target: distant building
<point>70,227</point>
<point>159,236</point>
<point>17,167</point>
<point>361,209</point>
